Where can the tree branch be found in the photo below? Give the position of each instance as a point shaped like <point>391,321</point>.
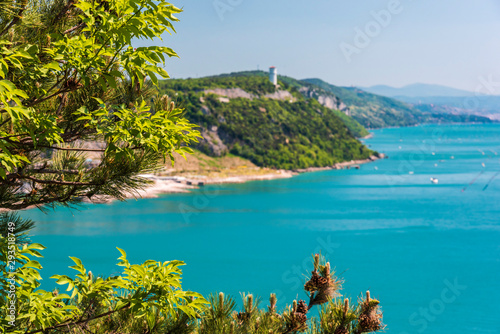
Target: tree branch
<point>54,171</point>
<point>74,149</point>
<point>15,20</point>
<point>81,25</point>
<point>43,170</point>
<point>66,90</point>
<point>66,183</point>
<point>65,323</point>
<point>63,11</point>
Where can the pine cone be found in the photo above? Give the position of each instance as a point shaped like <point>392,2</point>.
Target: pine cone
<point>316,282</point>
<point>302,307</point>
<point>243,316</point>
<point>323,296</point>
<point>370,320</point>
<point>368,323</point>
<point>341,330</point>
<point>300,318</point>
<point>295,322</point>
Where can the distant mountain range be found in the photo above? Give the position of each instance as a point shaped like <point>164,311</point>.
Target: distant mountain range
<point>442,99</point>
<point>417,90</point>
<point>376,111</point>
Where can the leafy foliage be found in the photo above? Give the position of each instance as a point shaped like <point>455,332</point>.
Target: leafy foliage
<point>138,298</point>
<point>69,76</point>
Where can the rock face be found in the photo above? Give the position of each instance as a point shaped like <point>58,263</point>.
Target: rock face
<point>329,101</point>
<point>211,142</point>
<point>282,95</point>
<point>231,93</point>
<point>224,99</point>
<point>205,110</point>
<point>213,139</point>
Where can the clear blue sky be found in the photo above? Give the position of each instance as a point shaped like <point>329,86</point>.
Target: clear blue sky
<point>448,42</point>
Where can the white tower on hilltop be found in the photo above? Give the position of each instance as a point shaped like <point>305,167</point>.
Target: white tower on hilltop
<point>273,75</point>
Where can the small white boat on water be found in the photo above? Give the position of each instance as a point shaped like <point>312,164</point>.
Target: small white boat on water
<point>434,180</point>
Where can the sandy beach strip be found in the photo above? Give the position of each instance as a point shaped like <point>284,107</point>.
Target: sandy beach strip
<point>184,184</point>
<point>178,184</point>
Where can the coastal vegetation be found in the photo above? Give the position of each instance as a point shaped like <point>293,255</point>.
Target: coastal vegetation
<point>287,132</point>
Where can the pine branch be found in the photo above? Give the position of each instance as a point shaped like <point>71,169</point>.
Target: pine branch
<point>63,11</point>
<point>21,226</point>
<point>65,183</point>
<point>16,19</point>
<point>73,149</point>
<point>54,171</point>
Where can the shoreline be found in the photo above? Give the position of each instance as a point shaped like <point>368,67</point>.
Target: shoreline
<point>342,165</point>
<point>184,184</point>
<point>368,136</point>
<point>163,185</point>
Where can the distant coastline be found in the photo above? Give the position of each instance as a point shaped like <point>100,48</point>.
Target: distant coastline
<point>183,184</point>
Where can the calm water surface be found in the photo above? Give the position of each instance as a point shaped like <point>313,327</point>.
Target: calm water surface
<point>429,252</point>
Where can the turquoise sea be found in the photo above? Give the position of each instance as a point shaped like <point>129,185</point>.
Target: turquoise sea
<point>429,252</point>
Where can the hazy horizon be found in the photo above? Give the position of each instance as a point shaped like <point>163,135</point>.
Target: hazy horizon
<point>450,43</point>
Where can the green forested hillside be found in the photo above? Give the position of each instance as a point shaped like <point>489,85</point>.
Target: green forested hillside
<point>271,132</point>
<point>256,83</point>
<point>253,82</point>
<point>354,126</point>
<point>372,111</point>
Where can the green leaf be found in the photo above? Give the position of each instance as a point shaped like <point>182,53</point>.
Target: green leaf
<point>53,66</point>
<point>36,246</point>
<point>33,264</point>
<point>84,6</point>
<point>111,80</point>
<point>79,266</point>
<point>122,252</point>
<point>63,279</point>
